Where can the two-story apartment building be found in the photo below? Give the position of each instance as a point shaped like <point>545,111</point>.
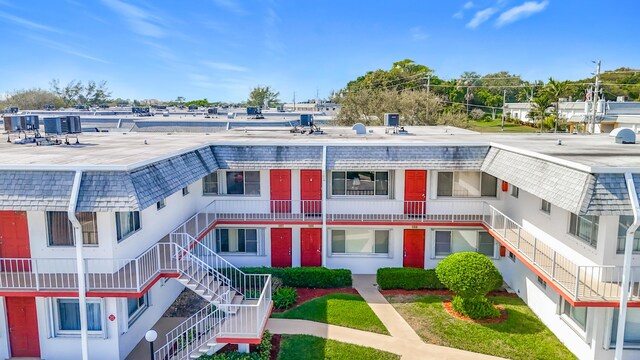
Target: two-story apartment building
<point>157,212</point>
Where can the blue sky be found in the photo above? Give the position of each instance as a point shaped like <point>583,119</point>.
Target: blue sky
<point>220,49</point>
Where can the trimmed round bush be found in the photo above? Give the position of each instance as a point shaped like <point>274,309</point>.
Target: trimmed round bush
<point>478,307</point>
<point>285,297</point>
<point>468,274</point>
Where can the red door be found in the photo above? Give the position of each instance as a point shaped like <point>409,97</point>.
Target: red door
<point>280,191</point>
<point>413,248</point>
<point>14,241</point>
<point>415,191</point>
<point>311,191</point>
<point>311,247</point>
<point>281,247</point>
<point>23,326</point>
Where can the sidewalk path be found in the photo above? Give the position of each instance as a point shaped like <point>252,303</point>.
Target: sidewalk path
<point>403,340</point>
<point>396,324</point>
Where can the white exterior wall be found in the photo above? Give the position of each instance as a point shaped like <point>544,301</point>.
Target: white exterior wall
<point>68,347</point>
<point>161,296</point>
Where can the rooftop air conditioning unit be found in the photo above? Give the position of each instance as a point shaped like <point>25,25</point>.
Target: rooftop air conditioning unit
<point>306,119</point>
<point>391,120</point>
<point>21,122</point>
<point>63,125</point>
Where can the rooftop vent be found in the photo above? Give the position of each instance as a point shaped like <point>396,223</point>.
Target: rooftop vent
<point>359,128</point>
<point>624,135</point>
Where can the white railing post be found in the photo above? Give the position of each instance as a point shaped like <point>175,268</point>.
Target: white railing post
<point>158,255</point>
<point>577,281</point>
<point>35,270</point>
<point>519,237</point>
<point>535,246</point>
<point>137,275</point>
<point>553,267</point>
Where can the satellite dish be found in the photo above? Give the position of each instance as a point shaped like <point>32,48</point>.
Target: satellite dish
<point>359,128</point>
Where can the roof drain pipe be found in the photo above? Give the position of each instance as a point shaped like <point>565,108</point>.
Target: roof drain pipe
<point>626,267</point>
<point>323,204</point>
<point>82,294</point>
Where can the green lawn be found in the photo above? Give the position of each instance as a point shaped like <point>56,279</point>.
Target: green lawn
<point>349,310</point>
<point>521,336</point>
<point>494,126</point>
<point>294,347</point>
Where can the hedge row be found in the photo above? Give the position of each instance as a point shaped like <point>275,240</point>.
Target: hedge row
<point>309,277</point>
<point>408,279</point>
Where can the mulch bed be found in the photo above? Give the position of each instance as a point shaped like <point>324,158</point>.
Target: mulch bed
<point>503,315</point>
<point>275,347</point>
<point>439,292</point>
<point>306,294</point>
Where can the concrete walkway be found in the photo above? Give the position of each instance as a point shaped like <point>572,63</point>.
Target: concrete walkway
<point>396,324</point>
<point>403,340</point>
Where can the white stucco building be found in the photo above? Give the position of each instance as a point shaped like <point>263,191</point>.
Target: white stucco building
<point>159,211</point>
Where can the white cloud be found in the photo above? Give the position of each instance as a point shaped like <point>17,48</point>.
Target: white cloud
<point>458,15</point>
<point>66,49</point>
<point>142,22</point>
<point>225,66</point>
<point>30,24</point>
<point>418,33</point>
<point>232,6</point>
<point>468,5</point>
<point>521,11</point>
<point>480,17</point>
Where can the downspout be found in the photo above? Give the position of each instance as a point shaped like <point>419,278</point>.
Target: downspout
<point>77,232</point>
<point>626,267</point>
<point>324,204</point>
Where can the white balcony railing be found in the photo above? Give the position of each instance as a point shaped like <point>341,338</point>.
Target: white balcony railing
<point>582,282</point>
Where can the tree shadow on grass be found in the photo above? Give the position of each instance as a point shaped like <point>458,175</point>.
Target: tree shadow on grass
<point>518,322</point>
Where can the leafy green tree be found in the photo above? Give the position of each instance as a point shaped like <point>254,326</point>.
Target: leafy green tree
<point>198,103</point>
<point>75,92</point>
<point>259,95</point>
<point>32,99</point>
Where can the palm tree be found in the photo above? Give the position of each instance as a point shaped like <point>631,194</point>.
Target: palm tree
<point>539,108</point>
<point>556,90</point>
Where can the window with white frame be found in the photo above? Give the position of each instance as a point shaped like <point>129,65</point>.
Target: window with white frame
<point>466,184</point>
<point>243,182</point>
<point>545,206</point>
<point>67,316</point>
<point>210,184</point>
<point>515,191</point>
<point>60,230</point>
<point>127,223</point>
<point>161,204</point>
<point>238,241</point>
<point>623,224</point>
<point>360,241</point>
<point>136,306</point>
<point>631,328</point>
<point>585,227</point>
<point>185,191</point>
<point>447,242</point>
<point>578,315</point>
<point>360,183</point>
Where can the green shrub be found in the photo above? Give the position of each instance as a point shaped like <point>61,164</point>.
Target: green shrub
<point>408,279</point>
<point>469,274</point>
<point>284,297</point>
<point>475,307</point>
<point>309,277</point>
<point>263,352</point>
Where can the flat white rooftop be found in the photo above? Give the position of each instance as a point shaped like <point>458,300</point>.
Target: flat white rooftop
<point>115,149</point>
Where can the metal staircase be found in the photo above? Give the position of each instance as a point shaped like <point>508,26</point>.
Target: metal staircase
<point>239,303</point>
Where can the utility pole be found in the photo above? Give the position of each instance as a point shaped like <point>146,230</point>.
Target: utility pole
<point>467,98</point>
<point>427,106</point>
<point>595,98</point>
<point>504,102</point>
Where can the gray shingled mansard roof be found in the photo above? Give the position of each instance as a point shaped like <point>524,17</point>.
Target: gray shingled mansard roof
<point>402,157</point>
<point>35,190</point>
<point>268,157</point>
<point>571,189</point>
